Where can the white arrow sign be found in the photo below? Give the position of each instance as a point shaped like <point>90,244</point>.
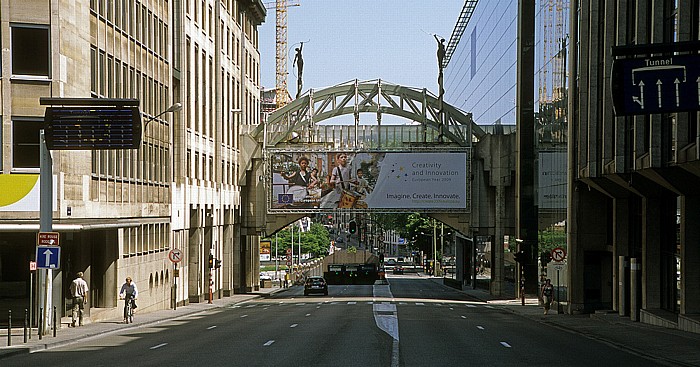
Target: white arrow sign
<point>48,254</point>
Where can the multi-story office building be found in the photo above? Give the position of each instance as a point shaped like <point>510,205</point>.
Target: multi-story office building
<point>481,77</point>
<point>633,196</point>
<point>119,212</point>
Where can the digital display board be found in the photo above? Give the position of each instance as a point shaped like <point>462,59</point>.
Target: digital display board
<point>92,128</point>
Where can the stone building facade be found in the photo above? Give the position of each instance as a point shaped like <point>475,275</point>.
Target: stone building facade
<point>120,212</point>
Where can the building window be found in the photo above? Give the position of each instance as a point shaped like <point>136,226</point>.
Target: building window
<point>25,143</point>
<point>30,50</point>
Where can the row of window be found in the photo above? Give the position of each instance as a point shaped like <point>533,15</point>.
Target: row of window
<point>136,19</point>
<point>112,78</point>
<point>146,239</point>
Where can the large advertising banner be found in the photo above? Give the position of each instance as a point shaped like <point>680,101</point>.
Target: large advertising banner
<point>316,181</point>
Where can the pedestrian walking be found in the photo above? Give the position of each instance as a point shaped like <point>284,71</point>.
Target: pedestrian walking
<point>78,292</point>
<point>547,291</point>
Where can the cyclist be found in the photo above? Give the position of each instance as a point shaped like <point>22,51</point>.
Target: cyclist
<point>129,293</point>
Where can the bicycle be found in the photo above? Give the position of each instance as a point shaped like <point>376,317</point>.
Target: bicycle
<point>129,310</point>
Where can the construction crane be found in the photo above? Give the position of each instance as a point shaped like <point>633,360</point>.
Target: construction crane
<point>280,7</point>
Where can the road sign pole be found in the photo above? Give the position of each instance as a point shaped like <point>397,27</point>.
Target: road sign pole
<point>45,222</point>
<point>175,283</point>
<point>558,296</point>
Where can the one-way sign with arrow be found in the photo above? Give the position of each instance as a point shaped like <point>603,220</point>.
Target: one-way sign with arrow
<point>48,257</point>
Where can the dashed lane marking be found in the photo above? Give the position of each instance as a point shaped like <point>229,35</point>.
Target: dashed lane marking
<point>506,345</point>
<point>479,327</point>
<point>159,345</point>
<point>211,327</point>
<point>268,343</point>
<point>293,325</point>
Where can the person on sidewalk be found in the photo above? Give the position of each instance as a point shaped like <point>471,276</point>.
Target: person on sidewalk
<point>79,292</point>
<point>129,293</point>
<point>547,291</point>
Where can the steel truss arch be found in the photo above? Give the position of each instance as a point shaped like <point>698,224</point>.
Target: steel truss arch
<point>299,118</point>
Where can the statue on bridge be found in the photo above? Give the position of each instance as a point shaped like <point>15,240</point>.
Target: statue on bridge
<point>299,62</point>
<point>440,58</point>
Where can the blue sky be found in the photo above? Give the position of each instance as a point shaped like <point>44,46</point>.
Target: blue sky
<point>345,40</point>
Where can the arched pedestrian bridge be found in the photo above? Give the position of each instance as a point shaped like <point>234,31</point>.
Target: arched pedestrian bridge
<point>352,117</point>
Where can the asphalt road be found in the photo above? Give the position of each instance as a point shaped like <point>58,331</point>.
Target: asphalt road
<point>411,322</point>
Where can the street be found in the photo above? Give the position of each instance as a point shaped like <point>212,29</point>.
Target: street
<point>413,321</point>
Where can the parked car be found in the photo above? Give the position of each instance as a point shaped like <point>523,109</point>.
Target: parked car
<point>398,269</point>
<point>315,284</point>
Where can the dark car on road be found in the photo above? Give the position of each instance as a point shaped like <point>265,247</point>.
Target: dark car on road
<point>315,284</point>
<point>398,269</point>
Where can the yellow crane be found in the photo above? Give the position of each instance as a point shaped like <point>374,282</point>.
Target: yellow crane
<point>280,7</point>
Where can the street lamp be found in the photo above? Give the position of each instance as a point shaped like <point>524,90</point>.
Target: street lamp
<point>177,106</point>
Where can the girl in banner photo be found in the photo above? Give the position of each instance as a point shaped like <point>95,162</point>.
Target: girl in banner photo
<point>341,178</point>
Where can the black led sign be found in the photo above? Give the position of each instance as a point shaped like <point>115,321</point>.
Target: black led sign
<point>92,127</point>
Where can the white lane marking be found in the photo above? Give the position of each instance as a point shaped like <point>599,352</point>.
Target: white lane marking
<point>471,306</point>
<point>318,306</point>
<point>352,303</point>
<point>464,317</point>
<point>159,345</point>
<point>505,344</point>
<point>308,314</point>
<point>268,343</point>
<point>479,327</point>
<point>293,325</point>
<point>242,316</point>
<point>420,304</point>
<point>487,306</point>
<point>211,327</point>
<point>451,308</point>
<point>395,354</point>
<point>249,306</point>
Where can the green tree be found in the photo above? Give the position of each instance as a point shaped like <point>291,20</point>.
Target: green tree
<point>316,241</point>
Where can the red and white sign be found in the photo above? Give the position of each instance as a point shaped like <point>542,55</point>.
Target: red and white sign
<point>559,254</point>
<point>175,256</point>
<point>47,239</point>
<point>32,265</point>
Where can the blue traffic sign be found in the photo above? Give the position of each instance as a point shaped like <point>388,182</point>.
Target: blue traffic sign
<point>48,257</point>
<point>642,86</point>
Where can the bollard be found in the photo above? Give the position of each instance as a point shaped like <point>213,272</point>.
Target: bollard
<point>41,322</point>
<point>9,327</point>
<point>26,313</point>
<point>54,321</point>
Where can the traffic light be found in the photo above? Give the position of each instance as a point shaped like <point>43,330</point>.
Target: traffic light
<point>545,258</point>
<point>211,261</point>
<point>352,227</point>
<point>217,263</point>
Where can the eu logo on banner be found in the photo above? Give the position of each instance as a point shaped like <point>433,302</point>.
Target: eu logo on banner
<point>285,198</point>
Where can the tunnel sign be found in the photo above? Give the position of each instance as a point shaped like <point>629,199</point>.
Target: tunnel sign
<point>642,86</point>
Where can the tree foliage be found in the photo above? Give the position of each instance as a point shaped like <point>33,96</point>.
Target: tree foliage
<point>316,241</point>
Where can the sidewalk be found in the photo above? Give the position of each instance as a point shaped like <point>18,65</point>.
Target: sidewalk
<point>662,345</point>
<point>66,335</point>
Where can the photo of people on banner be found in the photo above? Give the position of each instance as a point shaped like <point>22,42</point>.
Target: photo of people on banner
<point>321,180</point>
<point>362,180</point>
